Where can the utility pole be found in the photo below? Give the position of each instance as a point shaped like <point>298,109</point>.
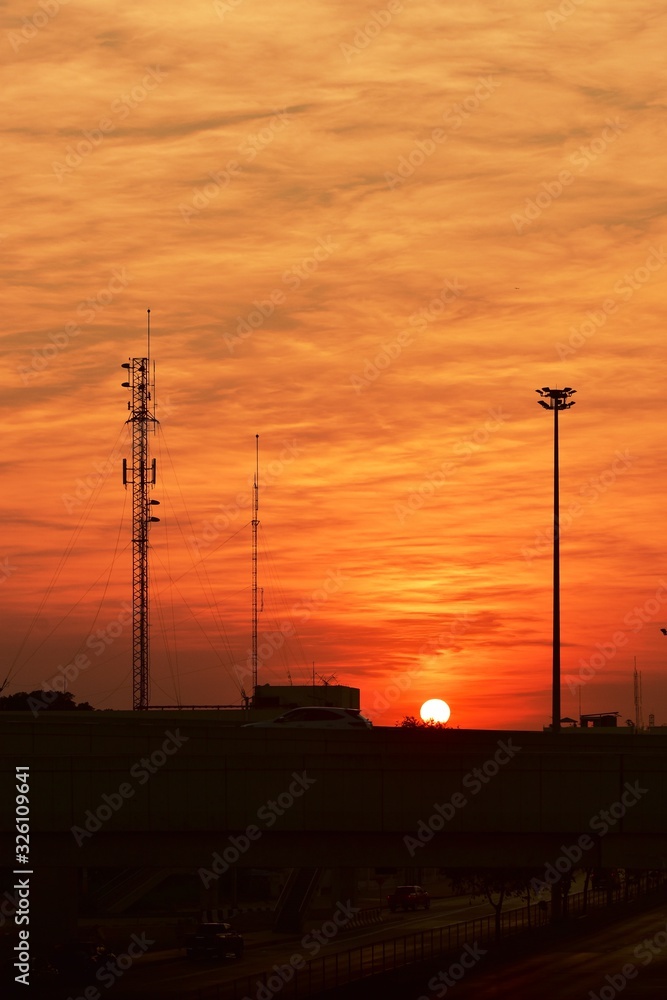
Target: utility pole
<point>140,475</point>
<point>558,400</point>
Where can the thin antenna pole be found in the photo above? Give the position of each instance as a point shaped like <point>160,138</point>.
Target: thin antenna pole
<point>639,721</point>
<point>255,524</point>
<point>150,371</point>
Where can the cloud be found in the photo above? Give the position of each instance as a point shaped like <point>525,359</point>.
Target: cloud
<point>371,309</point>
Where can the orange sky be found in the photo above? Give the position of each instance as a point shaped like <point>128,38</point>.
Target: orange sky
<point>367,233</point>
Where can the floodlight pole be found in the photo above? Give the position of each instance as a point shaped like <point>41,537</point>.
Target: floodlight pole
<point>555,681</point>
<point>557,401</point>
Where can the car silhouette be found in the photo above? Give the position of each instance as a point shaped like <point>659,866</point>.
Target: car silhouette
<point>315,717</point>
<point>214,940</point>
<point>408,897</point>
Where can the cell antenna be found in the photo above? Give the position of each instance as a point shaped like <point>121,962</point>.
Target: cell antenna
<point>140,475</point>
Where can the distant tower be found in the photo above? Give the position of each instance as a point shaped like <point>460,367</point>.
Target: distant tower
<point>140,475</point>
<point>255,525</point>
<point>639,710</point>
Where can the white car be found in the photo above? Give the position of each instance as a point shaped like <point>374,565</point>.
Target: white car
<point>316,717</point>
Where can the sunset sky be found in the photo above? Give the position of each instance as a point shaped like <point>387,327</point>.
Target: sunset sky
<point>367,233</point>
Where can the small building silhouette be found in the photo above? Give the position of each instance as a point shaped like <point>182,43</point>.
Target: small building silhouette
<point>599,720</point>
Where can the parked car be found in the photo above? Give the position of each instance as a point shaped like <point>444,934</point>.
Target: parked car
<point>216,941</point>
<point>316,717</point>
<point>408,897</point>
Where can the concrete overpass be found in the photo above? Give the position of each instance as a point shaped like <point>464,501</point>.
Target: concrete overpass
<point>180,789</point>
<point>150,787</point>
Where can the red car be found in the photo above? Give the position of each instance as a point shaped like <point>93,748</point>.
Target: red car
<point>214,941</point>
<point>408,897</point>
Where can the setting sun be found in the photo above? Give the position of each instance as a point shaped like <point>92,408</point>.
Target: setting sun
<point>435,710</point>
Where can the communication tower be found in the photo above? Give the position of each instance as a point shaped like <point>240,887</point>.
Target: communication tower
<point>140,475</point>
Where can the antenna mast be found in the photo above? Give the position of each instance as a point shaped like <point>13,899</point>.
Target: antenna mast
<point>639,714</point>
<point>255,524</point>
<point>140,475</point>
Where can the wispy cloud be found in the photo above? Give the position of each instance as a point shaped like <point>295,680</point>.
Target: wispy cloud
<point>352,122</point>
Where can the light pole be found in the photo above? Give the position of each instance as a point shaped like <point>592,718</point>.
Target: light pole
<point>558,400</point>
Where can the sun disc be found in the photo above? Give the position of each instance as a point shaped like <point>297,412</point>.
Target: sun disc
<point>435,710</point>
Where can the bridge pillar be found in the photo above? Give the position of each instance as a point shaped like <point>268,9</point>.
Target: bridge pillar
<point>54,909</point>
<point>343,885</point>
<point>209,899</point>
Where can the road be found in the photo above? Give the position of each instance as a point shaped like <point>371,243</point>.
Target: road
<point>614,960</point>
<point>178,976</point>
<point>575,969</point>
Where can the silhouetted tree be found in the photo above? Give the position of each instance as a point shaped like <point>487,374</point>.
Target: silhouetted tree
<point>562,887</point>
<point>42,701</point>
<point>496,884</point>
<point>412,722</point>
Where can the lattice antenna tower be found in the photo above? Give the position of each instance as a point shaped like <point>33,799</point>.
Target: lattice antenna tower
<point>140,475</point>
<point>255,591</point>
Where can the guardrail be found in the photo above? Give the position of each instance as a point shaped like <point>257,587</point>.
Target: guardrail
<point>364,918</point>
<point>304,979</point>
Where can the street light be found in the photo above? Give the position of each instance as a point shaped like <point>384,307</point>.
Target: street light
<point>557,400</point>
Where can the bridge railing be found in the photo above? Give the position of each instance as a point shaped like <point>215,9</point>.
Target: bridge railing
<point>368,960</point>
<point>371,959</point>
